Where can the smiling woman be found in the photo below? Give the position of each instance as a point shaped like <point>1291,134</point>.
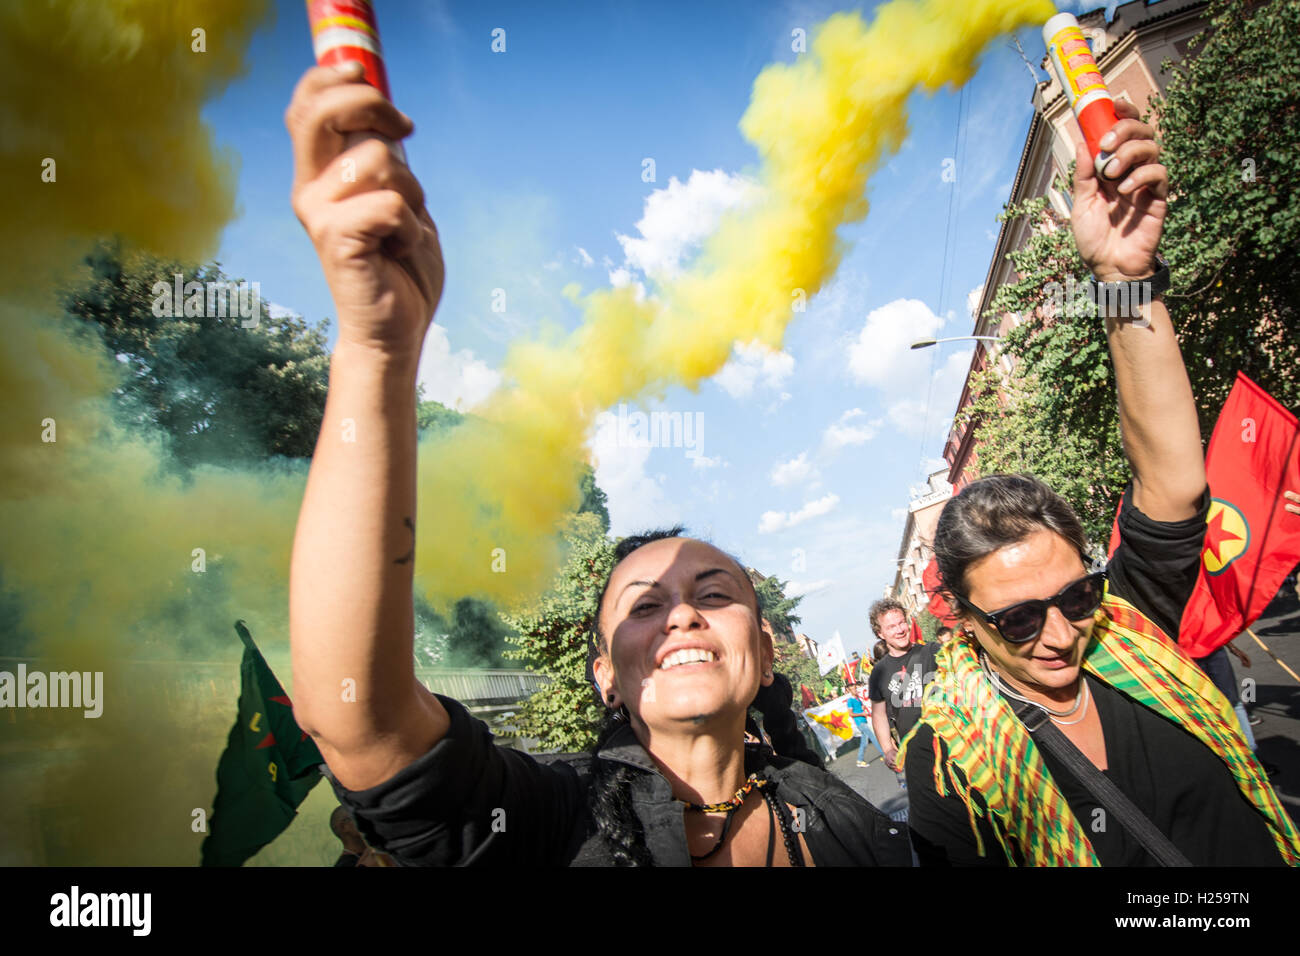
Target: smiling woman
<point>680,653</point>
<point>672,780</point>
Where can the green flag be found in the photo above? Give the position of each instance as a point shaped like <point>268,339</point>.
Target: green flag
<point>268,767</point>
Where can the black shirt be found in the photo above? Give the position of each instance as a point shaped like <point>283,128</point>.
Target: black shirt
<point>899,682</point>
<point>1178,782</point>
<point>470,802</point>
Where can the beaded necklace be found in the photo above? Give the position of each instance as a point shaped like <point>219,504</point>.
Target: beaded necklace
<point>776,811</point>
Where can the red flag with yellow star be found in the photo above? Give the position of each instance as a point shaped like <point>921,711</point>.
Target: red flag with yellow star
<point>1251,541</point>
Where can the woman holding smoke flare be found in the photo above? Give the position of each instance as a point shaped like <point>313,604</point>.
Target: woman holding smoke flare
<point>1058,672</point>
<point>678,652</point>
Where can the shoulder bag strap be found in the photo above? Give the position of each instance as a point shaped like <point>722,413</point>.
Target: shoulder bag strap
<point>1112,799</point>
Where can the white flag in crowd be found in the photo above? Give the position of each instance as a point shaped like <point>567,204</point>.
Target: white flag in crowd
<point>831,653</point>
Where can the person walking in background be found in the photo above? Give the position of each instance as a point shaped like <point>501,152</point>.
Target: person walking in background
<point>899,680</point>
<point>861,712</point>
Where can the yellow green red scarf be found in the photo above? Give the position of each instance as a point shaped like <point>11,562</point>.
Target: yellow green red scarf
<point>977,732</point>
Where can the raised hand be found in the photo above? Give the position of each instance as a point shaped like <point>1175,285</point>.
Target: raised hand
<point>364,211</point>
<point>1117,226</point>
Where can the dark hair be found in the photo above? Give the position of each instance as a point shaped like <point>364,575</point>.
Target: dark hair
<point>878,651</point>
<point>942,629</point>
<point>880,609</point>
<point>996,511</point>
<point>610,802</point>
<point>610,794</point>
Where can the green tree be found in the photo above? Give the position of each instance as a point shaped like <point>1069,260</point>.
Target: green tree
<point>775,607</point>
<point>432,417</point>
<point>1055,416</point>
<point>929,625</point>
<point>1230,123</point>
<point>551,637</point>
<point>477,635</point>
<point>798,668</point>
<point>594,499</point>
<point>218,391</point>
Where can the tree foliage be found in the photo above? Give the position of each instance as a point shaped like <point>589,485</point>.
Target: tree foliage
<point>219,392</point>
<point>551,637</point>
<point>432,417</point>
<point>594,499</point>
<point>929,625</point>
<point>776,608</point>
<point>798,668</point>
<point>1230,124</point>
<point>1055,414</point>
<point>1232,237</point>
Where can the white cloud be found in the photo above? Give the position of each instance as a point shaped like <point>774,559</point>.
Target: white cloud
<point>754,365</point>
<point>277,311</point>
<point>585,259</point>
<point>635,500</point>
<point>778,520</point>
<point>456,379</point>
<point>792,472</point>
<point>908,414</point>
<point>622,276</point>
<point>882,355</point>
<point>703,462</point>
<point>803,588</point>
<point>680,216</point>
<point>840,434</point>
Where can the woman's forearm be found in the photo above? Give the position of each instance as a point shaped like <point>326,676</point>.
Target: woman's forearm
<point>1162,436</point>
<point>351,617</point>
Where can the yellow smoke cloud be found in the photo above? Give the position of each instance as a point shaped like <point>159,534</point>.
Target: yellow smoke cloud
<point>822,126</point>
<point>102,135</point>
<point>98,543</point>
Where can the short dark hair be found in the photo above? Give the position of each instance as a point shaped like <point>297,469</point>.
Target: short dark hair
<point>878,651</point>
<point>880,609</point>
<point>610,794</point>
<point>996,511</point>
<point>943,629</point>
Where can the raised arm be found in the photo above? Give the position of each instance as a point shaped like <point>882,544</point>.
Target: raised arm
<point>1117,229</point>
<point>351,620</point>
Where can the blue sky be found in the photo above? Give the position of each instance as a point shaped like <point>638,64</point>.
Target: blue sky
<point>532,164</point>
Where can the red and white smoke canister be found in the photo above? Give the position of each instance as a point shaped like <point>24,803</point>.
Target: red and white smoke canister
<point>1077,71</point>
<point>345,31</point>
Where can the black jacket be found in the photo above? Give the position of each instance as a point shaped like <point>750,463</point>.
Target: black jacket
<point>469,802</point>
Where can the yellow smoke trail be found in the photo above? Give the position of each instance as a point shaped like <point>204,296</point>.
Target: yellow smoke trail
<point>822,126</point>
<point>99,546</point>
<point>102,135</point>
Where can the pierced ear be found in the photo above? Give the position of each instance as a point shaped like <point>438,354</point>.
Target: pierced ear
<point>605,678</point>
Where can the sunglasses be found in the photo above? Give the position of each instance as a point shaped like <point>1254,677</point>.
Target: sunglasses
<point>1021,623</point>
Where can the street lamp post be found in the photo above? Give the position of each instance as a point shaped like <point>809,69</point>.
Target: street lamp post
<point>926,343</point>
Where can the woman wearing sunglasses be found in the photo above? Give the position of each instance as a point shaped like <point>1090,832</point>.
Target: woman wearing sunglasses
<point>1065,726</point>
